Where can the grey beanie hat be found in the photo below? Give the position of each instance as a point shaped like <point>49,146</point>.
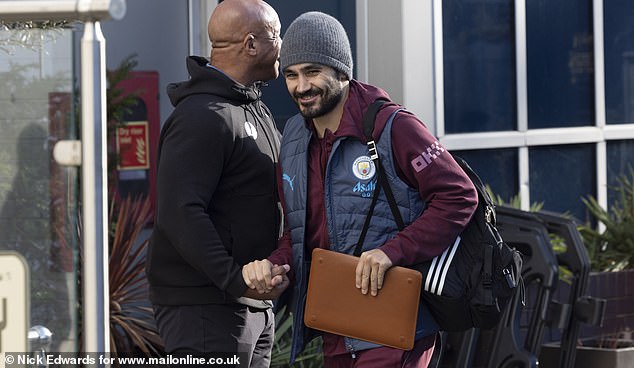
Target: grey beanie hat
<point>315,37</point>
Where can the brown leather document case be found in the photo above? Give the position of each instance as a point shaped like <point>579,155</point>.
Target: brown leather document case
<point>335,305</point>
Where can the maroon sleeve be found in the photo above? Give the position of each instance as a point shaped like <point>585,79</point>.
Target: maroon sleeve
<point>451,198</point>
<point>284,252</point>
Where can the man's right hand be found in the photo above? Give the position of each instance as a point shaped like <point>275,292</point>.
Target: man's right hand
<point>263,277</point>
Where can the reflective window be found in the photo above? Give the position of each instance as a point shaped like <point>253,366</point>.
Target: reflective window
<point>496,167</point>
<point>620,162</point>
<point>480,82</point>
<point>559,63</point>
<point>561,175</point>
<point>38,198</point>
<point>619,60</point>
<point>479,66</point>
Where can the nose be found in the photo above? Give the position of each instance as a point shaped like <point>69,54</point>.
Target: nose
<point>303,84</point>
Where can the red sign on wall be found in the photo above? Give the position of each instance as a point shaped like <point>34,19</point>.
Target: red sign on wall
<point>133,145</point>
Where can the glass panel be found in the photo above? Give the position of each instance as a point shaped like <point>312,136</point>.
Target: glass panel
<point>620,162</point>
<point>479,66</point>
<point>561,175</point>
<point>619,60</point>
<point>38,198</point>
<point>496,167</point>
<point>559,62</point>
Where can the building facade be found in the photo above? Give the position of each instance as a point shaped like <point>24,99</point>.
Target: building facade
<point>537,95</point>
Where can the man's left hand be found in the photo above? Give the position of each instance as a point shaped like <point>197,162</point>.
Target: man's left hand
<point>370,271</point>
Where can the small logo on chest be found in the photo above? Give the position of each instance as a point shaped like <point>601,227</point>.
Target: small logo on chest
<point>363,168</point>
<point>250,130</point>
<point>365,189</point>
<point>289,180</point>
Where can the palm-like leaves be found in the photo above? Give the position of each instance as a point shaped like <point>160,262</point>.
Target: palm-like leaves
<point>311,357</point>
<point>612,249</point>
<point>132,327</point>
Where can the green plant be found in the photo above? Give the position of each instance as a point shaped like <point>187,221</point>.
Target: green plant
<point>119,103</point>
<point>557,242</point>
<point>559,246</point>
<point>132,325</point>
<point>311,357</point>
<point>611,249</point>
<point>515,201</point>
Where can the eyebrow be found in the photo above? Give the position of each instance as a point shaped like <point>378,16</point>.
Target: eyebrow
<point>305,68</point>
<point>312,66</point>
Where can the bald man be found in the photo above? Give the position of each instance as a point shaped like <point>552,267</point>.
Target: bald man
<point>217,205</point>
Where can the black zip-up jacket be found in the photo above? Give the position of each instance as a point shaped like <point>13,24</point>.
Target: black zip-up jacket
<point>217,206</point>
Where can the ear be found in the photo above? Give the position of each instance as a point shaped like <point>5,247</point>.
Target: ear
<point>249,44</point>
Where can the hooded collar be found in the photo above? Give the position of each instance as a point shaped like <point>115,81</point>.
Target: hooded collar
<point>210,80</point>
<point>360,96</point>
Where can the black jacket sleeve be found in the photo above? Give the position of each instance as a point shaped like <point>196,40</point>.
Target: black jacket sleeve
<point>193,151</point>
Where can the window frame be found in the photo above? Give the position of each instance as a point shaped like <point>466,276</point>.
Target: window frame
<point>524,138</point>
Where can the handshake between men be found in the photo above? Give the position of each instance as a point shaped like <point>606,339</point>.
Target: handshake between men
<point>263,277</point>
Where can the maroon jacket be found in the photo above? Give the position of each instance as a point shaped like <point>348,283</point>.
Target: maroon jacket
<point>450,196</point>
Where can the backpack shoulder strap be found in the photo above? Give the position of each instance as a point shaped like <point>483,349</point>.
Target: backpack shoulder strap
<point>368,127</point>
<point>483,193</point>
<point>370,116</point>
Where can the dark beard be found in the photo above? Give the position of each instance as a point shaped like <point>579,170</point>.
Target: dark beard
<point>330,99</point>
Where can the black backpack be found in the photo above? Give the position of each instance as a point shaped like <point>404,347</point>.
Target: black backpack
<point>470,284</point>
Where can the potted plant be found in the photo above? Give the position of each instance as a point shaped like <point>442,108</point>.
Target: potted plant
<point>610,350</point>
<point>610,246</point>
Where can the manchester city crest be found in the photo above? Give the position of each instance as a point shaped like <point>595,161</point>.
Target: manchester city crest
<point>363,168</point>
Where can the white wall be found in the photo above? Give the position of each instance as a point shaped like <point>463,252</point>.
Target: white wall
<point>395,52</point>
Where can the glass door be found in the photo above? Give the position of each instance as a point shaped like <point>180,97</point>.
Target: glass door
<point>38,197</point>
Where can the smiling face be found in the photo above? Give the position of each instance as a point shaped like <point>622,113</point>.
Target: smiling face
<point>316,89</point>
